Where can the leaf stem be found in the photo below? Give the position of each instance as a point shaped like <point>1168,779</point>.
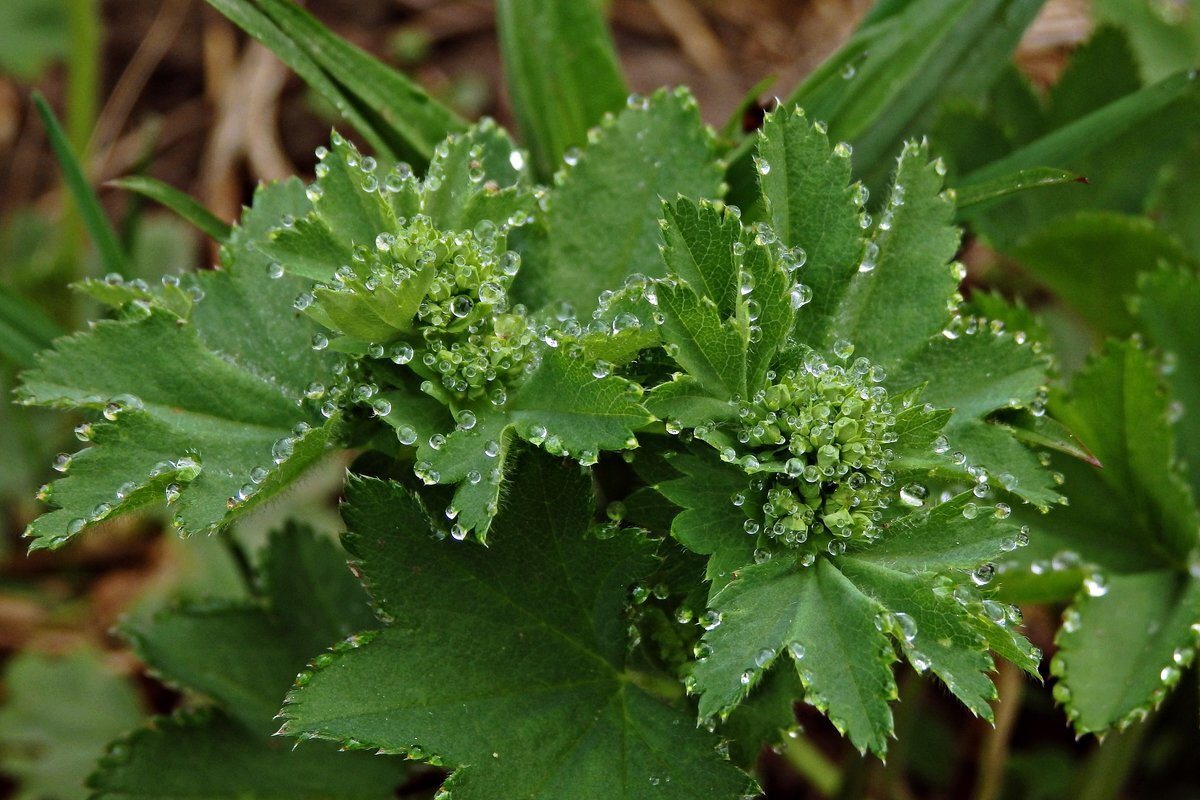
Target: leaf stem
<point>83,89</point>
<point>994,755</point>
<point>241,560</point>
<point>912,689</point>
<point>854,777</point>
<point>1108,768</point>
<point>812,764</point>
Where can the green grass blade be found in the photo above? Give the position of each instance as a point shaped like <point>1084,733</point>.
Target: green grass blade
<point>395,115</point>
<point>562,73</point>
<point>182,204</point>
<point>977,192</point>
<point>24,329</point>
<point>1086,134</point>
<point>97,224</point>
<point>882,84</point>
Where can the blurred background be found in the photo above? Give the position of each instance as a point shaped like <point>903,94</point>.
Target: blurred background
<point>172,90</point>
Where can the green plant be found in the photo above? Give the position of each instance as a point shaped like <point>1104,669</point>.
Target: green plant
<point>627,455</point>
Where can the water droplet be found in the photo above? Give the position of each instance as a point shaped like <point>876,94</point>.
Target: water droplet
<point>710,619</point>
<point>282,450</point>
<point>983,575</point>
<point>801,295</point>
<point>1096,585</point>
<point>1169,675</point>
<point>62,462</point>
<point>907,625</point>
<point>913,494</point>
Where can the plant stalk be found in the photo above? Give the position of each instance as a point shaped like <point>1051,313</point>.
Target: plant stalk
<point>994,756</point>
<point>83,92</point>
<point>812,764</point>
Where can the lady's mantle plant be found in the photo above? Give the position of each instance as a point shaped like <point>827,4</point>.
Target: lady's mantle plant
<point>824,451</point>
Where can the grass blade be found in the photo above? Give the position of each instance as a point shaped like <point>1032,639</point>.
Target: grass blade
<point>882,84</point>
<point>970,194</point>
<point>182,204</point>
<point>24,329</point>
<point>395,115</point>
<point>562,73</point>
<point>94,219</point>
<point>1086,134</point>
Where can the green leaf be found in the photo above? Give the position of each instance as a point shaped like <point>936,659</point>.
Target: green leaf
<point>182,204</point>
<point>584,411</point>
<point>1176,202</point>
<point>764,717</point>
<point>899,296</point>
<point>112,256</point>
<point>685,401</point>
<point>527,694</point>
<point>395,115</point>
<point>1130,535</point>
<point>601,225</point>
<point>475,459</point>
<point>198,408</point>
<point>1167,306</point>
<point>1124,645</point>
<point>1117,407</point>
<point>1089,132</point>
<point>699,249</point>
<point>58,714</point>
<point>1092,259</point>
<point>1165,39</point>
<point>309,600</point>
<point>812,206</point>
<point>780,609</point>
<point>976,374</point>
<point>1032,178</point>
<point>956,534</point>
<point>832,620</point>
<point>727,306</point>
<point>208,756</point>
<point>710,348</point>
<point>312,601</point>
<point>1101,71</point>
<point>712,522</point>
<point>562,73</point>
<point>934,633</point>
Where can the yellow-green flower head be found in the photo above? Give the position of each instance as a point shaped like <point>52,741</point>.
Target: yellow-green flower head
<point>816,441</point>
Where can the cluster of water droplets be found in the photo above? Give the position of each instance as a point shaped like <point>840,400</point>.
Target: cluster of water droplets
<point>817,442</point>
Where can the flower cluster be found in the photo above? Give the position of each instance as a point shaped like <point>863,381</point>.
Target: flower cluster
<point>816,440</point>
